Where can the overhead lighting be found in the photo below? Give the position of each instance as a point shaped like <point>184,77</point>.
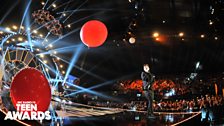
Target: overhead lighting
<point>216,38</point>
<point>64,14</point>
<point>35,31</point>
<point>20,39</point>
<point>58,58</point>
<point>7,41</point>
<point>45,61</point>
<point>155,34</point>
<point>61,66</point>
<point>202,36</point>
<point>13,40</point>
<point>1,32</point>
<point>54,5</point>
<point>210,22</point>
<point>14,27</point>
<point>42,3</point>
<point>181,34</point>
<point>69,26</point>
<point>38,49</point>
<point>132,40</point>
<point>7,29</point>
<point>63,72</point>
<point>50,45</point>
<point>42,55</point>
<point>41,35</point>
<point>22,27</point>
<point>55,52</point>
<point>157,39</point>
<point>47,69</point>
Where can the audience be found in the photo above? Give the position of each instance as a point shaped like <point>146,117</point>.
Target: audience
<point>168,105</point>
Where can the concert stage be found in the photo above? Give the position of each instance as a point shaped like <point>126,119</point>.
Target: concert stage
<point>84,115</point>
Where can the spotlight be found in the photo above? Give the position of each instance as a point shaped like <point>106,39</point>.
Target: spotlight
<point>22,27</point>
<point>58,58</point>
<point>1,32</point>
<point>61,66</point>
<point>41,35</point>
<point>35,31</point>
<point>63,72</point>
<point>54,5</point>
<point>47,69</point>
<point>13,40</point>
<point>164,22</point>
<point>210,22</point>
<point>50,45</point>
<point>14,27</point>
<point>42,55</point>
<point>42,3</point>
<point>0,48</point>
<point>157,39</point>
<point>20,39</point>
<point>55,52</point>
<point>69,26</point>
<point>132,40</point>
<point>7,29</point>
<point>216,38</point>
<point>181,34</point>
<point>202,36</point>
<point>64,14</point>
<point>38,49</point>
<point>7,41</point>
<point>156,34</point>
<point>45,61</point>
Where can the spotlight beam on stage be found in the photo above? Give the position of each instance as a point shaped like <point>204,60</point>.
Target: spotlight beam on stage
<point>5,39</point>
<point>73,61</point>
<point>75,11</point>
<point>102,84</point>
<point>25,14</point>
<point>73,31</point>
<point>9,11</point>
<point>88,91</point>
<point>7,31</point>
<point>87,72</point>
<point>27,23</point>
<point>66,3</point>
<point>70,11</point>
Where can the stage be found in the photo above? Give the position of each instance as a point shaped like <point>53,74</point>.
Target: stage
<point>84,115</point>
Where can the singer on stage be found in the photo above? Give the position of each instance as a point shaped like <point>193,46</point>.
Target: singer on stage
<point>148,79</point>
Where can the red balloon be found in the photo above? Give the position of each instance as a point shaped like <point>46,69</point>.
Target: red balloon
<point>93,33</point>
<point>30,84</point>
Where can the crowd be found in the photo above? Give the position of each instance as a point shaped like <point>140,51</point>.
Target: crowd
<point>168,105</point>
<point>189,105</point>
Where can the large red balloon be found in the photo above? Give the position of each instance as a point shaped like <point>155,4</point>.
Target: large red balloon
<point>31,85</point>
<point>93,33</point>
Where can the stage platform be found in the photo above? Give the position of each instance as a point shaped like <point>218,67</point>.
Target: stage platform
<point>84,115</point>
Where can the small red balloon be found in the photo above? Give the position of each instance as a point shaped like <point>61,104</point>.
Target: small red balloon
<point>93,33</point>
<point>30,84</point>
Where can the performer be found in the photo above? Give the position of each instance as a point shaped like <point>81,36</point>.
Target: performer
<point>148,79</point>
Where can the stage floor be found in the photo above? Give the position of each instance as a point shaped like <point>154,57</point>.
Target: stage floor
<point>83,115</point>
